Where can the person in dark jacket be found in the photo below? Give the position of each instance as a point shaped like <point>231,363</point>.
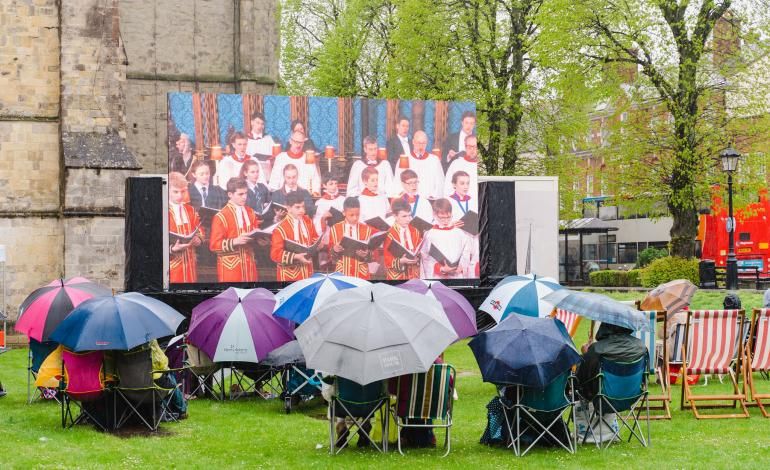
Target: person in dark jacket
<point>614,343</point>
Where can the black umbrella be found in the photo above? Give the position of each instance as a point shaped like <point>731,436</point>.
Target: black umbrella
<point>524,350</point>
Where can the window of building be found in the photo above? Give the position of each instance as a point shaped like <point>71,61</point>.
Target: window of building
<point>744,236</point>
<point>627,253</point>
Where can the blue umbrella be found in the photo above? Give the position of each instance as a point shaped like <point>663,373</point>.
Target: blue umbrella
<point>524,351</point>
<point>600,308</point>
<point>520,294</point>
<point>118,323</point>
<point>301,299</point>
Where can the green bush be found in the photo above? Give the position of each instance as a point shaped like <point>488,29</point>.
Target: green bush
<point>669,268</point>
<point>650,254</point>
<point>609,278</point>
<point>634,278</point>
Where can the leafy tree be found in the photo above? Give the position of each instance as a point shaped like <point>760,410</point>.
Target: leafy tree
<point>669,126</point>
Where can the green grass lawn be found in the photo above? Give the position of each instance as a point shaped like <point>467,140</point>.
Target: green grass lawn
<point>258,434</point>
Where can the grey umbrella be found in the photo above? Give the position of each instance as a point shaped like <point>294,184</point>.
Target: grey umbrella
<point>598,307</point>
<point>375,332</point>
<point>289,353</point>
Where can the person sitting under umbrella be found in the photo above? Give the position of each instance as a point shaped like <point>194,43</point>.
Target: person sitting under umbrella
<point>614,343</point>
<point>177,404</point>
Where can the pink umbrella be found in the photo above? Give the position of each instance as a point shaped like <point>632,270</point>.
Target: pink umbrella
<point>458,310</point>
<point>46,307</point>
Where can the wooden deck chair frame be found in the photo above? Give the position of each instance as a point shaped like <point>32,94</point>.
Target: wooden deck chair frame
<point>758,337</point>
<point>573,326</point>
<point>659,367</point>
<point>738,397</point>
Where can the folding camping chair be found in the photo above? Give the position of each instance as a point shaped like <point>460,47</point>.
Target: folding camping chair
<point>299,383</point>
<point>251,379</point>
<point>359,403</point>
<point>202,375</point>
<point>658,366</point>
<point>758,357</point>
<point>84,385</point>
<point>138,391</point>
<point>37,353</point>
<point>540,410</point>
<point>712,337</point>
<point>622,391</point>
<point>425,397</point>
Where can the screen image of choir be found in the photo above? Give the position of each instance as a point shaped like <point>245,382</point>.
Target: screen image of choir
<point>265,213</point>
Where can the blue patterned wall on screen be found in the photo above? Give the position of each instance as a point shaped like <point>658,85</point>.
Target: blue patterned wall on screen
<point>230,112</point>
<point>180,109</point>
<point>323,121</point>
<point>456,110</point>
<point>357,137</point>
<point>379,108</point>
<point>405,109</point>
<point>278,117</point>
<point>430,124</point>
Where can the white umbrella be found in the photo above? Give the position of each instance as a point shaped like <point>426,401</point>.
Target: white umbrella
<point>522,295</point>
<point>375,332</point>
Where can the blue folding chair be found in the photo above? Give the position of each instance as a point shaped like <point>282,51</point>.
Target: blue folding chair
<point>622,391</point>
<point>540,410</point>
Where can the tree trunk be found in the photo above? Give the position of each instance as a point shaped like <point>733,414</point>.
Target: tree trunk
<point>682,202</point>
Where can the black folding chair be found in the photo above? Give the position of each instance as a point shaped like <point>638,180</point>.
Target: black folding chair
<point>138,390</point>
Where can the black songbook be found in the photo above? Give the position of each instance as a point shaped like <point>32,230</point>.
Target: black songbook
<point>335,218</point>
<point>421,224</point>
<point>351,245</point>
<point>295,247</point>
<point>436,254</point>
<point>174,237</point>
<point>378,223</point>
<point>471,223</point>
<point>206,215</point>
<point>262,233</point>
<point>398,250</point>
<point>262,157</point>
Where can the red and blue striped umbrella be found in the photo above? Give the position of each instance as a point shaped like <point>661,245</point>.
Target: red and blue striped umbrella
<point>46,307</point>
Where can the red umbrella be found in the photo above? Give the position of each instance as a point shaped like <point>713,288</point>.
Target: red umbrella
<point>46,307</point>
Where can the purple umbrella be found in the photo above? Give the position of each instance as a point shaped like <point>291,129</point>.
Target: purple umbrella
<point>457,309</point>
<point>237,326</point>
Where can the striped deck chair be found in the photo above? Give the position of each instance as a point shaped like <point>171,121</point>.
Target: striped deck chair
<point>657,366</point>
<point>425,401</point>
<point>571,320</point>
<point>758,356</point>
<point>712,337</point>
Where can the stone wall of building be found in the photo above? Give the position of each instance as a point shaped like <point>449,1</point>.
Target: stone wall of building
<point>30,175</point>
<point>215,46</point>
<point>83,106</point>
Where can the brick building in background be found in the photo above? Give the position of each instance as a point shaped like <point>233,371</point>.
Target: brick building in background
<point>83,88</point>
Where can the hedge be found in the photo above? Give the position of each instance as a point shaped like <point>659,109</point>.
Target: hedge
<point>609,278</point>
<point>669,268</point>
<point>634,278</point>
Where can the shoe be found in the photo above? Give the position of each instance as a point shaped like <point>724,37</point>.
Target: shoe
<point>182,416</point>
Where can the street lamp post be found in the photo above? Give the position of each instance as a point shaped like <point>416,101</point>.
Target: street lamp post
<point>730,158</point>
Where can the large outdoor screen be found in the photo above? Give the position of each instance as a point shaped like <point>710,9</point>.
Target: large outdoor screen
<point>276,188</point>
